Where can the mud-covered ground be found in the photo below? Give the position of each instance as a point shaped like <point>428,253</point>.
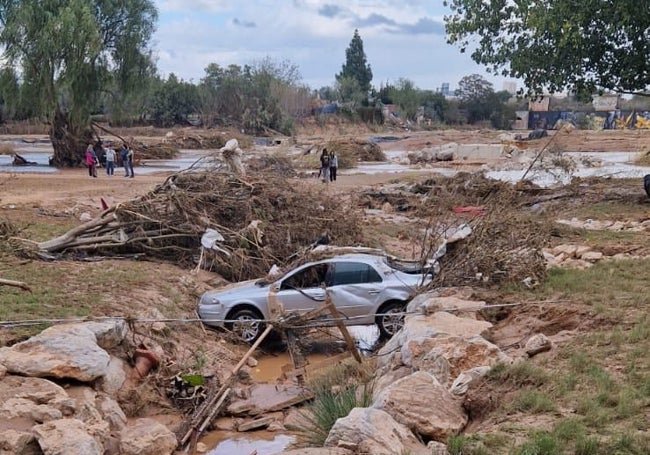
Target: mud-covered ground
<point>42,206</point>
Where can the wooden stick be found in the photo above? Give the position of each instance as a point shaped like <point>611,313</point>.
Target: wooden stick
<point>344,330</point>
<point>18,284</point>
<point>226,385</point>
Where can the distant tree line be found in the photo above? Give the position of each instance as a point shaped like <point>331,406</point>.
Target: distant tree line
<point>67,62</point>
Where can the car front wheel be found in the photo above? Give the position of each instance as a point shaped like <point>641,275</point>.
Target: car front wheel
<point>391,319</point>
<point>246,324</point>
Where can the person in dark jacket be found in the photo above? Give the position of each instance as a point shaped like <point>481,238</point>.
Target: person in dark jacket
<point>325,165</point>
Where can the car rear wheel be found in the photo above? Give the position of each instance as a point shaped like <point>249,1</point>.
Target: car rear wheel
<point>390,318</point>
<point>246,324</point>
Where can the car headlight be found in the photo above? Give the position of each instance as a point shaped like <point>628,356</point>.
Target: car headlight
<point>210,300</point>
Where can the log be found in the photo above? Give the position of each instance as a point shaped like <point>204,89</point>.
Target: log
<point>18,284</point>
<point>61,242</point>
<point>20,161</point>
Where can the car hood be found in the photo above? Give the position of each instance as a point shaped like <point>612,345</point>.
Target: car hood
<point>235,288</point>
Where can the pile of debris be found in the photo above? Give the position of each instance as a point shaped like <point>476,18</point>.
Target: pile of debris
<point>236,226</point>
<point>188,140</point>
<point>350,151</point>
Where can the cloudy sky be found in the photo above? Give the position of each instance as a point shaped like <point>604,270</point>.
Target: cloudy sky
<point>401,38</point>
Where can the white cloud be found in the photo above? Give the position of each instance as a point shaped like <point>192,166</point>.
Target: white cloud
<point>401,38</point>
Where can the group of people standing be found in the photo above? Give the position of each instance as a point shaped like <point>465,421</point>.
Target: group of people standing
<point>109,156</point>
<point>329,164</point>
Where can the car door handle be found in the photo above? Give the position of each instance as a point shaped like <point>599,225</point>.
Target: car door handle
<point>374,291</point>
<point>318,294</point>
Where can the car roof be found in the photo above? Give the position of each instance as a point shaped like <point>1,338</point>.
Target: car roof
<point>350,257</point>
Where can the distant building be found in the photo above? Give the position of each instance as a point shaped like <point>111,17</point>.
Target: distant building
<point>510,87</point>
<point>444,89</point>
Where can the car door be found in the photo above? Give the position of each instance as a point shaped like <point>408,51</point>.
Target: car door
<point>357,289</point>
<point>303,290</point>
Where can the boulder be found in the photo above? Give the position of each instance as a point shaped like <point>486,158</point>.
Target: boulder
<point>566,249</point>
<point>374,431</point>
<point>88,413</point>
<point>444,323</point>
<point>461,354</point>
<point>147,437</point>
<point>21,408</point>
<point>66,436</point>
<point>74,351</point>
<point>433,303</point>
<point>537,343</point>
<point>437,417</point>
<point>111,412</point>
<point>38,390</point>
<point>114,377</point>
<point>18,442</point>
<point>468,378</point>
<point>591,256</point>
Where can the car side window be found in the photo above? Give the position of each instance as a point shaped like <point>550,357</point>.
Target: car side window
<point>354,273</point>
<point>311,277</point>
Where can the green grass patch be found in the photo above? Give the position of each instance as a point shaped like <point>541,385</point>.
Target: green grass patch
<point>606,210</point>
<point>518,374</point>
<point>533,402</point>
<point>612,284</point>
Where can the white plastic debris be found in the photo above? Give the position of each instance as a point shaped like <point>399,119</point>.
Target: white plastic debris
<point>211,238</point>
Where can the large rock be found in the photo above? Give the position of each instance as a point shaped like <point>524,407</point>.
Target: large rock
<point>373,431</point>
<point>431,303</point>
<point>538,343</point>
<point>467,379</point>
<point>66,436</point>
<point>451,355</point>
<point>147,437</point>
<point>68,351</point>
<point>19,443</point>
<point>437,417</point>
<point>420,326</point>
<point>33,400</point>
<point>115,376</point>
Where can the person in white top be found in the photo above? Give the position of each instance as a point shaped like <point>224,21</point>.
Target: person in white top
<point>110,161</point>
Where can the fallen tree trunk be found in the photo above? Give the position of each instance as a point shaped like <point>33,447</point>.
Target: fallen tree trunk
<point>18,284</point>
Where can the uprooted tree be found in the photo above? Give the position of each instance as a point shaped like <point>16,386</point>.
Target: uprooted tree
<point>73,52</point>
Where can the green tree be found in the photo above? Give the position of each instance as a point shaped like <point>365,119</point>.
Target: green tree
<point>585,46</point>
<point>173,101</point>
<point>72,51</point>
<point>406,95</point>
<point>435,105</point>
<point>350,92</point>
<point>356,66</point>
<point>476,97</point>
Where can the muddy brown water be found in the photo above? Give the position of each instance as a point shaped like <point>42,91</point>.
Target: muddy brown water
<point>269,369</point>
<point>259,442</point>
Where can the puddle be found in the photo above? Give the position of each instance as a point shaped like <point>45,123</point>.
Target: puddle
<point>321,353</point>
<point>259,442</point>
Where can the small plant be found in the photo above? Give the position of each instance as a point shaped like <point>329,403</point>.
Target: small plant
<point>336,392</point>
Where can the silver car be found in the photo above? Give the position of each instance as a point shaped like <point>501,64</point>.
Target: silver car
<point>366,289</point>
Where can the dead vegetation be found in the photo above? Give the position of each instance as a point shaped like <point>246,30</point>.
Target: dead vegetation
<point>351,151</point>
<point>256,223</point>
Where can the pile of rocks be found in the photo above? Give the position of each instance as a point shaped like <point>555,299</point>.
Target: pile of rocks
<point>423,372</point>
<point>37,415</point>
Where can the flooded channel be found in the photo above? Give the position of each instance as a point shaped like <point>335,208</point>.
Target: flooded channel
<point>272,364</point>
